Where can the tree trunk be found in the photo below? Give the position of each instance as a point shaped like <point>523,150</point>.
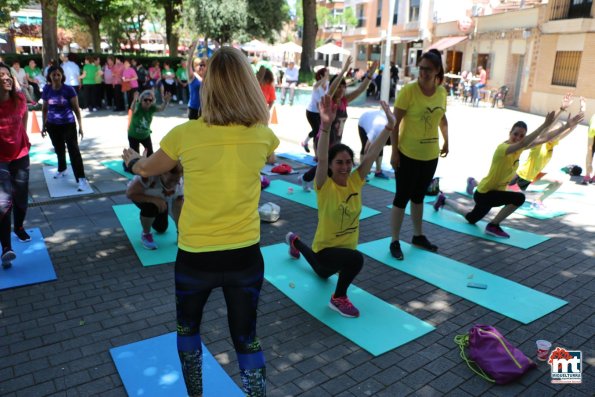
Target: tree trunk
<point>308,39</point>
<point>49,29</point>
<point>96,37</point>
<point>172,15</point>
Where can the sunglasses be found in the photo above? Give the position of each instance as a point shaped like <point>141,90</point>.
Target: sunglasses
<point>201,65</point>
<point>148,100</point>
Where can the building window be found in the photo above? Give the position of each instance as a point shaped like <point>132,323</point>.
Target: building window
<point>580,9</point>
<point>361,19</point>
<point>396,14</point>
<point>414,11</point>
<point>566,68</point>
<point>361,53</point>
<point>379,13</point>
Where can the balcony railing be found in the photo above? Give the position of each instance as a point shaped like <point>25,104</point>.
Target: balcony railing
<point>570,9</point>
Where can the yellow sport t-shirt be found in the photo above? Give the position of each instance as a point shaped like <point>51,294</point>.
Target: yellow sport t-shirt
<point>221,182</point>
<point>539,157</point>
<point>339,208</point>
<point>592,127</point>
<point>501,171</point>
<point>418,132</point>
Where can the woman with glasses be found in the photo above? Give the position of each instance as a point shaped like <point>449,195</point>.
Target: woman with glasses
<point>196,68</point>
<point>222,154</point>
<point>143,108</point>
<point>420,109</point>
<point>14,163</point>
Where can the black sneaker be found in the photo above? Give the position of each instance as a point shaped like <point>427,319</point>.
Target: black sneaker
<point>22,235</point>
<point>7,257</point>
<point>423,242</point>
<point>395,250</point>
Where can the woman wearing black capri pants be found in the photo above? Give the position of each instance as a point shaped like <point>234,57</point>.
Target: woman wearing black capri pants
<point>420,109</point>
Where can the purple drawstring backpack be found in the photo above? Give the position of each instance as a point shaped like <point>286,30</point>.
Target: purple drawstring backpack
<point>491,356</point>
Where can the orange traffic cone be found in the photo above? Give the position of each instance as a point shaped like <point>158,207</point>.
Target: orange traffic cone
<point>129,117</point>
<point>34,124</point>
<point>274,116</point>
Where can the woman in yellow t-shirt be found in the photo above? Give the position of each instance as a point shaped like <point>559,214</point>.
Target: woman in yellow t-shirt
<point>222,154</point>
<point>531,172</point>
<point>420,110</point>
<point>491,191</point>
<point>589,176</point>
<point>339,199</point>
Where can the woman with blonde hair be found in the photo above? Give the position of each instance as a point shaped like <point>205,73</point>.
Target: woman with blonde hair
<point>219,229</point>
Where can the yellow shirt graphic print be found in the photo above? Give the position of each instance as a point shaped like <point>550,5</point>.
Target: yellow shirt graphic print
<point>339,208</point>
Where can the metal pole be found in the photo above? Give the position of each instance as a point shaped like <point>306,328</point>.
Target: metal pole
<point>385,86</point>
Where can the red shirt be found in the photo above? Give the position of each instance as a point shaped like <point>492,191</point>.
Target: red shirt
<point>14,142</point>
<point>268,90</point>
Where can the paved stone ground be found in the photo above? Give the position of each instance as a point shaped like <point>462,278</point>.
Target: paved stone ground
<point>55,337</point>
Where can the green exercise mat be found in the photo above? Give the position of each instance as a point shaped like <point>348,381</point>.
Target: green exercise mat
<point>456,222</point>
<point>503,296</point>
<point>385,184</point>
<point>296,194</point>
<point>380,328</point>
<point>167,243</point>
<point>526,210</point>
<point>116,166</point>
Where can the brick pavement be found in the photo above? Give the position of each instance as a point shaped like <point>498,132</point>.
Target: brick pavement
<point>55,337</point>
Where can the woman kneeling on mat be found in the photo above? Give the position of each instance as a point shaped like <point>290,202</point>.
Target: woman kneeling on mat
<point>151,195</point>
<point>491,191</point>
<point>222,154</point>
<point>339,206</point>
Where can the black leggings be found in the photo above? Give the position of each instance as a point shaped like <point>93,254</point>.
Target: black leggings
<point>150,210</point>
<point>135,144</point>
<point>65,136</point>
<point>484,202</point>
<point>363,137</point>
<point>14,194</point>
<point>413,178</point>
<point>328,261</point>
<point>314,120</point>
<point>240,274</point>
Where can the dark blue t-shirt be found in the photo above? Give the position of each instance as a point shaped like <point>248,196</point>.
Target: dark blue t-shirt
<point>194,88</point>
<point>59,107</point>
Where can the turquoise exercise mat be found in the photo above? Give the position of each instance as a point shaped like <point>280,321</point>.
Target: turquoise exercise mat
<point>167,243</point>
<point>33,264</point>
<point>116,166</point>
<point>526,210</point>
<point>380,327</point>
<point>503,296</point>
<point>299,157</point>
<point>44,156</point>
<point>453,221</point>
<point>151,368</point>
<point>281,188</point>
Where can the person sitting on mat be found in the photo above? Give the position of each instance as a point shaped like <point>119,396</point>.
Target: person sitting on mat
<point>14,163</point>
<point>491,191</point>
<point>339,199</point>
<point>539,156</point>
<point>143,108</point>
<point>152,195</point>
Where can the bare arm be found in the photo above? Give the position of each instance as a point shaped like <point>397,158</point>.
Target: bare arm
<point>324,79</point>
<point>444,131</point>
<point>337,81</point>
<point>190,61</point>
<point>559,132</point>
<point>157,164</point>
<point>74,102</point>
<point>328,110</point>
<point>44,115</point>
<point>363,85</point>
<point>527,140</point>
<point>394,137</point>
<point>374,149</point>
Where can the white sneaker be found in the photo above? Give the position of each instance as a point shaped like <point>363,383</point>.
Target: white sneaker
<point>83,185</point>
<point>94,109</point>
<point>181,102</point>
<point>174,98</point>
<point>307,186</point>
<point>60,174</point>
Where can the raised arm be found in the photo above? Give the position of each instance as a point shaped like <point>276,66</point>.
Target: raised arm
<point>559,132</point>
<point>328,110</point>
<point>527,140</point>
<point>324,79</point>
<point>190,61</point>
<point>337,81</point>
<point>376,146</point>
<point>363,85</point>
<point>157,164</point>
<point>134,101</point>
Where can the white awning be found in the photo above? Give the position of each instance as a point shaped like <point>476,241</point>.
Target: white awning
<point>446,42</point>
<point>28,42</point>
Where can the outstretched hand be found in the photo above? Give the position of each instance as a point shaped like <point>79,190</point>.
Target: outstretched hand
<point>328,110</point>
<point>573,121</point>
<point>566,101</point>
<point>549,119</point>
<point>347,63</point>
<point>128,155</point>
<point>583,105</point>
<point>390,116</point>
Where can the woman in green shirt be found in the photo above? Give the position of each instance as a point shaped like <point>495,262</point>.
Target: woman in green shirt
<point>88,81</point>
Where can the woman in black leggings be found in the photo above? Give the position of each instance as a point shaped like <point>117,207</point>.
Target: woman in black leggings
<point>339,198</point>
<point>491,191</point>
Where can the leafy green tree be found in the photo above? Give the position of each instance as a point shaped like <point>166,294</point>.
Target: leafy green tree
<point>173,12</point>
<point>90,13</point>
<point>265,17</point>
<point>220,20</point>
<point>7,6</point>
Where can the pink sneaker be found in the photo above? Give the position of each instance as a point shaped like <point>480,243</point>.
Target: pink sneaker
<point>496,231</point>
<point>290,239</point>
<point>344,306</point>
<point>440,201</point>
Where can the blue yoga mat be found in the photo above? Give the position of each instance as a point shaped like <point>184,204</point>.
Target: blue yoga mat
<point>381,327</point>
<point>32,265</point>
<point>116,166</point>
<point>385,184</point>
<point>502,295</point>
<point>299,157</point>
<point>151,368</point>
<point>526,210</point>
<point>281,188</point>
<point>453,221</point>
<point>167,243</point>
